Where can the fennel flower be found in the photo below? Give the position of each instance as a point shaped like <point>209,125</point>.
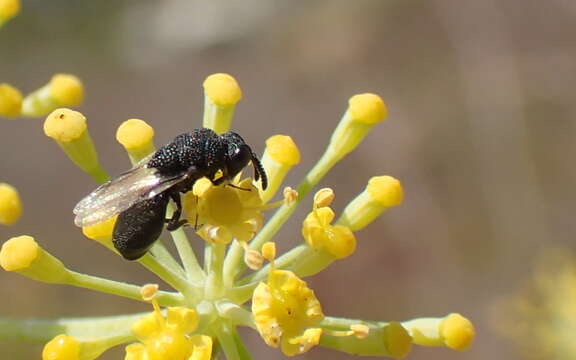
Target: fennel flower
<point>234,287</point>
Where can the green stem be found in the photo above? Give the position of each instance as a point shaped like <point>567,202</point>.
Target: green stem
<point>235,313</point>
<point>231,268</point>
<point>214,263</point>
<point>170,277</point>
<point>99,174</point>
<point>225,334</point>
<point>187,256</point>
<point>166,259</point>
<point>43,330</point>
<point>119,288</point>
<point>384,339</point>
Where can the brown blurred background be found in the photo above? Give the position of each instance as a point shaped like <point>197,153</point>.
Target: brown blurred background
<point>481,127</point>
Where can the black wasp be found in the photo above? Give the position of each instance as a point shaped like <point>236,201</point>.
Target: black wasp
<point>141,195</point>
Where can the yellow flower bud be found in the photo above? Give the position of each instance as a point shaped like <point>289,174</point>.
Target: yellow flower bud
<point>137,137</point>
<point>101,232</point>
<point>283,150</point>
<point>65,125</point>
<point>280,155</point>
<point>10,205</point>
<point>222,92</point>
<point>66,90</point>
<point>381,193</point>
<point>23,255</point>
<point>222,89</point>
<point>62,347</point>
<point>367,108</point>
<point>68,128</point>
<point>386,190</point>
<point>364,111</point>
<point>10,99</point>
<point>63,90</point>
<point>453,331</point>
<point>8,9</point>
<point>18,253</point>
<point>457,332</point>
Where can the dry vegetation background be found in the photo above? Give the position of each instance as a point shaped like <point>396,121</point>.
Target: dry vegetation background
<point>481,133</point>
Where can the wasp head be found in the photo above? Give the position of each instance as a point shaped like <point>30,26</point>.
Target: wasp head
<point>239,154</point>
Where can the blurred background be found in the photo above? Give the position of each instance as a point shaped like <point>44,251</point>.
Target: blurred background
<point>481,133</point>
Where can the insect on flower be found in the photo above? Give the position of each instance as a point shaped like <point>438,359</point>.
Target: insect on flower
<point>140,196</point>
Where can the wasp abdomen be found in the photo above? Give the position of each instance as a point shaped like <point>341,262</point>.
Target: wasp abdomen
<point>138,227</point>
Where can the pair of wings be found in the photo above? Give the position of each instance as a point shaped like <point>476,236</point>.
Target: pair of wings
<point>111,198</point>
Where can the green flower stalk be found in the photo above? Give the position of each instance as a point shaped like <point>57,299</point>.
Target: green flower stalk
<point>233,287</point>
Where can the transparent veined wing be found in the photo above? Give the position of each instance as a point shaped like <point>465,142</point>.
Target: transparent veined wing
<point>139,183</point>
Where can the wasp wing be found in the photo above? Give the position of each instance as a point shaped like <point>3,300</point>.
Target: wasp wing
<point>139,183</point>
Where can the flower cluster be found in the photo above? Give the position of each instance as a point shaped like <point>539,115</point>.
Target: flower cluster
<point>242,281</point>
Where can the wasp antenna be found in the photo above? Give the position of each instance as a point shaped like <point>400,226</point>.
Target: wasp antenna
<point>259,171</point>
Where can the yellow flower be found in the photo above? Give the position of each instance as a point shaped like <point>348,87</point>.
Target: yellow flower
<point>10,204</point>
<point>287,313</point>
<point>10,99</point>
<point>339,241</point>
<point>166,337</point>
<point>224,213</point>
<point>210,298</point>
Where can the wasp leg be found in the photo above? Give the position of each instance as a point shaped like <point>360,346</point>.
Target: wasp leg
<point>175,222</point>
<point>218,181</point>
<point>238,187</point>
